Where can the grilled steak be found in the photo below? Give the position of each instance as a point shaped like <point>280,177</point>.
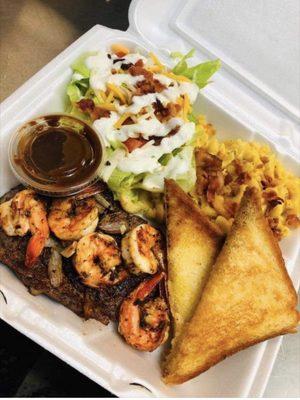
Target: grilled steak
<point>102,303</point>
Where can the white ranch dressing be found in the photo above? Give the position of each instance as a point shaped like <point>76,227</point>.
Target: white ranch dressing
<point>178,165</point>
<point>105,127</point>
<point>101,70</point>
<point>168,95</point>
<point>145,159</point>
<point>144,128</point>
<point>130,58</point>
<point>147,128</point>
<point>100,66</point>
<point>119,79</point>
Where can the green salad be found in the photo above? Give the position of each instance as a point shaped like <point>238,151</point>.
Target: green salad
<point>143,111</point>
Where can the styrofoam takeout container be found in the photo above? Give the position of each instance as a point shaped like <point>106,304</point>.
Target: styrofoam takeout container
<point>248,100</point>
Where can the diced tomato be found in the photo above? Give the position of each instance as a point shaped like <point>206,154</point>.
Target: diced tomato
<point>133,144</point>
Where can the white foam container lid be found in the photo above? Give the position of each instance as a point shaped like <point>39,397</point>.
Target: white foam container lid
<point>254,97</point>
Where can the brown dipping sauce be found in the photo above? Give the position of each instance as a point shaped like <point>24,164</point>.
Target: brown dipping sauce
<point>59,154</point>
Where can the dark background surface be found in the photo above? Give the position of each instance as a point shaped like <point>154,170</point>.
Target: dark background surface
<point>32,32</point>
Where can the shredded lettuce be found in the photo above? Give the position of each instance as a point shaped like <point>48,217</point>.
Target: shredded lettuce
<point>120,180</point>
<point>182,65</point>
<point>73,92</point>
<point>165,159</point>
<point>80,67</point>
<point>79,86</point>
<point>192,118</point>
<point>200,74</point>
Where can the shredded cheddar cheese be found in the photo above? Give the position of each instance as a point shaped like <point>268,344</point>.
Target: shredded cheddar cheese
<point>108,106</point>
<point>179,78</point>
<point>119,49</point>
<point>110,97</point>
<point>101,96</point>
<point>154,68</point>
<point>156,61</point>
<point>121,120</point>
<point>117,91</point>
<point>186,107</point>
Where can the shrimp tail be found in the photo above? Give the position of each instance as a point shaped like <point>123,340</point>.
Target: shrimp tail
<point>35,247</point>
<point>148,286</point>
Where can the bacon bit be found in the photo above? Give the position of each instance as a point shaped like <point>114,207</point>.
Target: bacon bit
<point>231,207</point>
<point>139,63</point>
<point>293,221</point>
<point>210,196</point>
<point>243,178</point>
<point>138,70</point>
<point>270,195</point>
<point>159,87</point>
<point>157,140</point>
<point>207,161</point>
<point>173,131</point>
<point>273,203</point>
<point>86,105</point>
<point>210,179</point>
<point>228,179</point>
<point>164,113</point>
<point>216,182</point>
<point>264,159</point>
<point>273,222</point>
<point>238,167</point>
<point>125,67</point>
<point>99,112</point>
<point>215,185</point>
<point>202,182</point>
<point>148,86</point>
<point>272,199</point>
<point>143,87</point>
<point>133,144</point>
<point>128,121</point>
<point>234,189</point>
<point>158,107</point>
<point>268,182</point>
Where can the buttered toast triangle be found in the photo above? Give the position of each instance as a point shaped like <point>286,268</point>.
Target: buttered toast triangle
<point>248,298</point>
<point>193,244</point>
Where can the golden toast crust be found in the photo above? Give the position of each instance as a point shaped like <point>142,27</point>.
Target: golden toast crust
<point>248,298</point>
<point>190,208</point>
<point>193,244</point>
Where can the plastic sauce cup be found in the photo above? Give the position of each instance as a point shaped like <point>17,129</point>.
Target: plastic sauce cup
<point>56,155</point>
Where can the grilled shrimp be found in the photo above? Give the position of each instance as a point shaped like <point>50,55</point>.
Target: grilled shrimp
<point>98,260</point>
<point>144,320</point>
<point>142,249</point>
<point>70,219</point>
<point>23,213</point>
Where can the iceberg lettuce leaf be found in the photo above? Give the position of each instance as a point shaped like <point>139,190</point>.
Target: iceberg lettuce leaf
<point>201,73</point>
<point>80,67</point>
